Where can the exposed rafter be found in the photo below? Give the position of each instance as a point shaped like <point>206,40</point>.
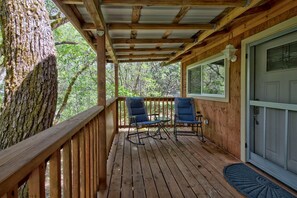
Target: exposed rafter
<point>143,56</point>
<point>93,9</point>
<point>173,40</point>
<point>136,13</point>
<point>208,3</point>
<point>66,9</point>
<point>73,2</point>
<point>220,25</point>
<point>129,26</point>
<point>147,50</point>
<point>141,60</point>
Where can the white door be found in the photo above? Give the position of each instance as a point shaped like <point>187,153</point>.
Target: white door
<point>273,107</point>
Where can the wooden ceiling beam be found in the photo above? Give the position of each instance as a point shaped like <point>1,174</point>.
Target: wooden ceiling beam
<point>73,18</point>
<point>199,3</point>
<point>73,2</point>
<point>220,25</point>
<point>136,13</point>
<point>93,9</point>
<point>147,50</point>
<point>152,41</point>
<point>142,60</point>
<point>129,26</point>
<point>143,56</point>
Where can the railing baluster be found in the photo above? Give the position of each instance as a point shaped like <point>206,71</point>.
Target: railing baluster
<point>55,174</point>
<point>87,158</point>
<point>92,158</point>
<point>75,165</point>
<point>36,182</point>
<point>12,193</point>
<point>67,173</point>
<point>82,164</point>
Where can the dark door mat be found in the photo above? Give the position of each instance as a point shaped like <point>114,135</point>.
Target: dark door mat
<point>251,184</point>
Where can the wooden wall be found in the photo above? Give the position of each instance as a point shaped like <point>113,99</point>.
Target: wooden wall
<point>224,118</point>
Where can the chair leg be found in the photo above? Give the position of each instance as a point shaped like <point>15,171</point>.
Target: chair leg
<point>175,131</point>
<point>201,130</point>
<point>128,135</point>
<point>139,142</point>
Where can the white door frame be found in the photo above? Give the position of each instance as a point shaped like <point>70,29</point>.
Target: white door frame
<point>290,23</point>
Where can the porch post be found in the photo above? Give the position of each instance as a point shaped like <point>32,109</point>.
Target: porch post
<point>101,74</point>
<point>116,79</point>
<point>116,93</point>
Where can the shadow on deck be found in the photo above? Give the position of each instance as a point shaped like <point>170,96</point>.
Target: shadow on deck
<point>166,168</point>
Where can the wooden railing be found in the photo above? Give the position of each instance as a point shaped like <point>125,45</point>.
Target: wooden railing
<point>163,106</point>
<point>69,150</point>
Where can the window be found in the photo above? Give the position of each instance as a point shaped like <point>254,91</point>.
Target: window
<point>208,79</point>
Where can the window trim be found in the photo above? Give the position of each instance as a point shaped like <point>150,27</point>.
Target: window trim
<point>211,97</point>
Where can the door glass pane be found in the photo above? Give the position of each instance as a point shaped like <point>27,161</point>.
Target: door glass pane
<point>282,57</point>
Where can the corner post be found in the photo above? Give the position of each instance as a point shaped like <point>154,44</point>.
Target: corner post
<point>101,75</point>
<point>116,93</point>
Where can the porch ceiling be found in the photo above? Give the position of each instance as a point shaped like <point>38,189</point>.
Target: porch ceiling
<point>152,30</point>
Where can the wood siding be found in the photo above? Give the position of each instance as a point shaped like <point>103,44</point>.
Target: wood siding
<point>224,118</point>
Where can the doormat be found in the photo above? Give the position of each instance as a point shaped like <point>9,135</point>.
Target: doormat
<point>251,184</point>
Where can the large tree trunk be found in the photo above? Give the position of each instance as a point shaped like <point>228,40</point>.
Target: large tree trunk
<point>30,62</point>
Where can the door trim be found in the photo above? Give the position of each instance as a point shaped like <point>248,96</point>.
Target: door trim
<point>281,27</point>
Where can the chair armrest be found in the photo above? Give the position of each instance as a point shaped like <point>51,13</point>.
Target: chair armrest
<point>155,115</point>
<point>199,116</point>
<point>132,119</point>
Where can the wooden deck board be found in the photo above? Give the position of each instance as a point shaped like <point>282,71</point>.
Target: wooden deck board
<point>166,168</point>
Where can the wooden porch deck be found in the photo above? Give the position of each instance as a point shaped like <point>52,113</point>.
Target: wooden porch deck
<point>166,168</point>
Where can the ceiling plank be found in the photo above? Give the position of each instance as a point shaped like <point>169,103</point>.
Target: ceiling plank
<point>129,26</point>
<point>219,26</point>
<point>208,3</point>
<point>69,13</point>
<point>172,40</point>
<point>93,9</point>
<point>147,50</point>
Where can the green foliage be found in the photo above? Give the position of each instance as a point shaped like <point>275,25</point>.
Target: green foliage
<point>136,79</point>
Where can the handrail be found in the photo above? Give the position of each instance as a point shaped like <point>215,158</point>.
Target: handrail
<point>78,139</point>
<point>18,161</point>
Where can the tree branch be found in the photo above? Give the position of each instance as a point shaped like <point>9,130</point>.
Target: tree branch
<point>58,22</point>
<point>65,43</point>
<point>68,92</point>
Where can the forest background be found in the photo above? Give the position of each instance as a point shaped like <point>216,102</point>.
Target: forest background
<point>77,72</point>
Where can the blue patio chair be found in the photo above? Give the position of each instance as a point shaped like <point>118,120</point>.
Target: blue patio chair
<point>186,116</point>
<point>138,118</point>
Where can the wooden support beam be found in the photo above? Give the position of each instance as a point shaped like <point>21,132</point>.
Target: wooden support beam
<point>73,2</point>
<point>101,75</point>
<point>144,56</point>
<point>70,14</point>
<point>135,50</point>
<point>93,9</point>
<point>136,13</point>
<point>180,15</point>
<point>220,25</point>
<point>116,80</point>
<point>199,3</point>
<point>142,60</point>
<point>137,26</point>
<point>173,40</point>
<point>129,26</point>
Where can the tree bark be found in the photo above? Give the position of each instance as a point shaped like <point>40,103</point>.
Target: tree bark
<point>31,74</point>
